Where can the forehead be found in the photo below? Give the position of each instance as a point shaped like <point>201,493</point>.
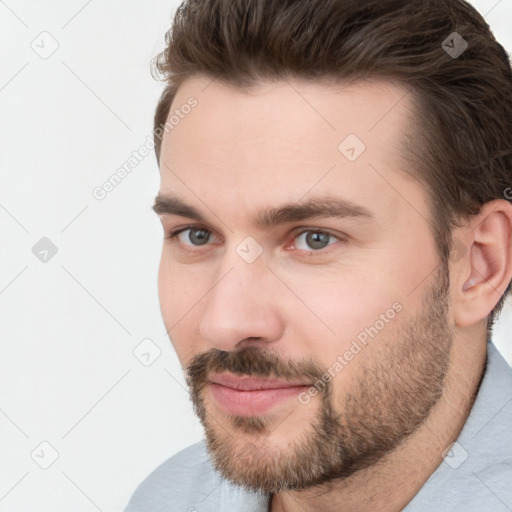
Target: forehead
<point>366,106</point>
<point>281,141</point>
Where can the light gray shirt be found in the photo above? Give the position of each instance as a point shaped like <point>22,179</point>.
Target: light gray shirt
<point>475,476</point>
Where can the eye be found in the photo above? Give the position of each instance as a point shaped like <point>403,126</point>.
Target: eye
<point>193,236</point>
<point>314,240</point>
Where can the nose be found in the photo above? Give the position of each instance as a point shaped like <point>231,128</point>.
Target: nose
<point>242,309</point>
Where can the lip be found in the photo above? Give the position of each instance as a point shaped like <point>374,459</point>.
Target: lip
<point>247,383</point>
<point>251,396</point>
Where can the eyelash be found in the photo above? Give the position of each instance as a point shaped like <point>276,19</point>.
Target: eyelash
<point>172,236</point>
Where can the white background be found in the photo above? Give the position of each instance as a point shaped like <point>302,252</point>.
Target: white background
<point>68,375</point>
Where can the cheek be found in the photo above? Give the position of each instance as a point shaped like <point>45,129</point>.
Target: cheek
<point>166,292</point>
<point>181,289</point>
<point>352,319</point>
<point>342,305</point>
<point>366,327</point>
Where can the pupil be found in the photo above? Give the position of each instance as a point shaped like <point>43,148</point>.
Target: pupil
<point>198,236</point>
<point>317,240</point>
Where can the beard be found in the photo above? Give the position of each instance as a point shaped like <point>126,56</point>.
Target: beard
<point>390,397</point>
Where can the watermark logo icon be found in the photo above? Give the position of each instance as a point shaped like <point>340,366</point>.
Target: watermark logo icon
<point>458,250</point>
<point>249,249</point>
<point>454,45</point>
<point>44,455</point>
<point>455,455</point>
<point>351,147</point>
<point>44,250</point>
<point>45,45</point>
<point>147,352</point>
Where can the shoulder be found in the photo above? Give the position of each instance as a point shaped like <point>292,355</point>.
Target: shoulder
<point>188,482</point>
<point>476,472</point>
<point>180,480</point>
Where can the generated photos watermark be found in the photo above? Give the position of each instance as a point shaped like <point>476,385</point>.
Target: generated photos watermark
<point>357,345</point>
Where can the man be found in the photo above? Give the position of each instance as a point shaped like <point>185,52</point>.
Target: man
<point>338,243</point>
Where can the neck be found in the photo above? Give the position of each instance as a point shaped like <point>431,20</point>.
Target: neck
<point>398,477</point>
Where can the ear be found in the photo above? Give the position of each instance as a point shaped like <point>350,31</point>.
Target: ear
<point>483,268</point>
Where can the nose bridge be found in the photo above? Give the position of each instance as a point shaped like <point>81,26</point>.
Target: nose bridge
<point>240,305</point>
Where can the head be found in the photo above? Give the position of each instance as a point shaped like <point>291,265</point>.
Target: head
<point>333,203</point>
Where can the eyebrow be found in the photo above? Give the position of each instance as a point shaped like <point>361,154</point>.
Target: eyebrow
<point>326,206</point>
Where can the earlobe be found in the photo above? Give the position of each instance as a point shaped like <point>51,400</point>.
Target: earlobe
<point>487,264</point>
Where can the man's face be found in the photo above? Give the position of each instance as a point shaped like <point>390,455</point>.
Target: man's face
<point>301,257</point>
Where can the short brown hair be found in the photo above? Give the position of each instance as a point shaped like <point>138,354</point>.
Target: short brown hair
<point>461,147</point>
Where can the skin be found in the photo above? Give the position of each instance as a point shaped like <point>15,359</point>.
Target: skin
<point>295,309</point>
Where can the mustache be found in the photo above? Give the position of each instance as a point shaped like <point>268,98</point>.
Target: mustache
<point>250,361</point>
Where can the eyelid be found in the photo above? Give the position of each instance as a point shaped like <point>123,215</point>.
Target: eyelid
<point>306,229</point>
<point>172,235</point>
<point>300,231</point>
